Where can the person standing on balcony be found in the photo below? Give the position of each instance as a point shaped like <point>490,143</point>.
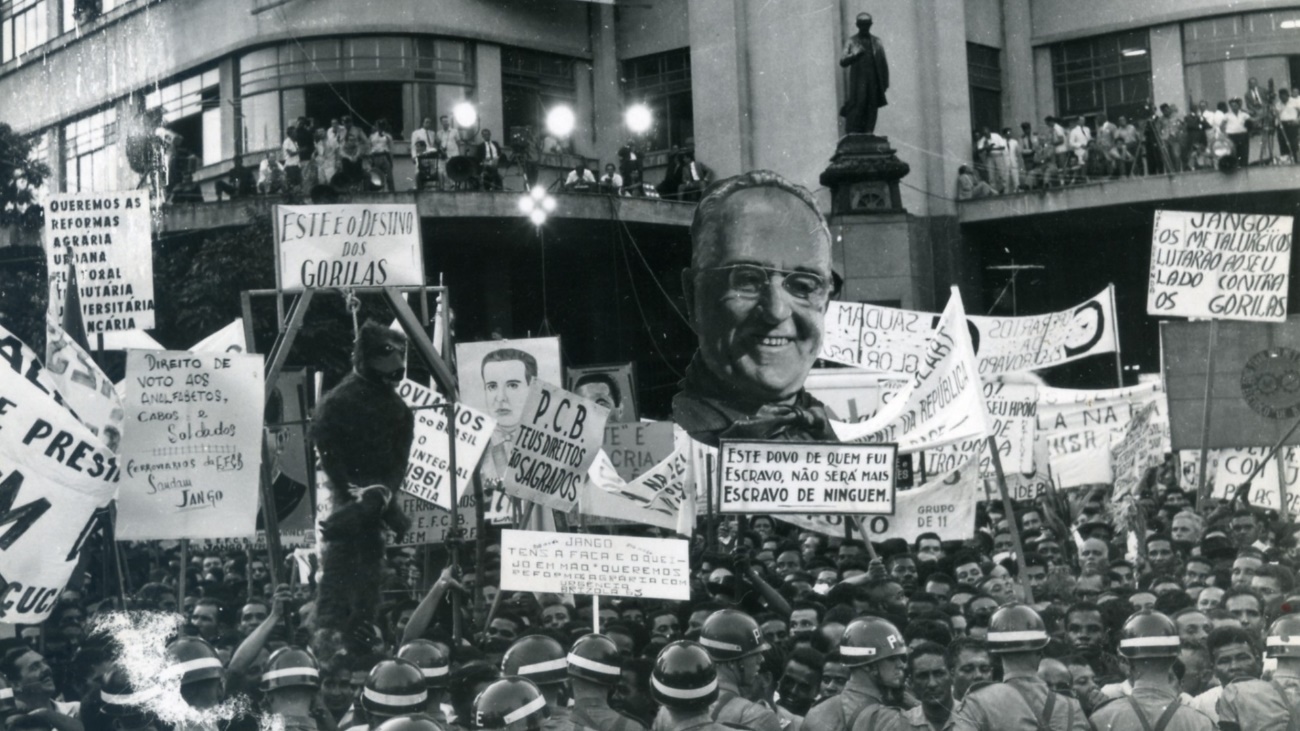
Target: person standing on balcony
<point>381,155</point>
<point>1287,108</point>
<point>1011,161</point>
<point>427,134</point>
<point>1236,124</point>
<point>1028,146</point>
<point>992,148</point>
<point>1060,143</point>
<point>292,166</point>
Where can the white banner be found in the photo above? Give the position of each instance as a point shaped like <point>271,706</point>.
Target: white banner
<point>54,475</point>
<point>1136,452</point>
<point>889,340</point>
<point>662,496</point>
<point>1066,409</point>
<point>943,404</point>
<point>577,563</point>
<point>348,245</point>
<point>84,385</point>
<point>559,435</point>
<point>792,477</point>
<point>108,236</point>
<point>428,466</point>
<point>430,523</point>
<point>192,450</point>
<point>1229,266</point>
<point>1013,409</point>
<point>1235,465</point>
<point>229,339</point>
<point>1080,457</point>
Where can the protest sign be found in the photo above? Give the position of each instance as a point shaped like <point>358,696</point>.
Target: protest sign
<point>288,539</point>
<point>229,339</point>
<point>1079,457</point>
<point>854,395</point>
<point>558,438</point>
<point>1012,409</point>
<point>430,523</point>
<point>108,236</point>
<point>83,384</point>
<point>944,505</point>
<point>662,496</point>
<point>943,404</point>
<point>612,386</point>
<point>1235,465</point>
<point>791,477</point>
<point>1253,397</point>
<point>1072,409</point>
<point>348,245</point>
<point>56,480</point>
<point>889,340</point>
<point>192,449</point>
<point>428,466</point>
<point>1228,266</point>
<point>573,563</point>
<point>633,449</point>
<point>1137,451</point>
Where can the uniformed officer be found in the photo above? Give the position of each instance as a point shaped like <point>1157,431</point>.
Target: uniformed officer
<point>121,702</point>
<point>200,669</point>
<point>436,669</point>
<point>543,661</point>
<point>685,683</point>
<point>735,642</point>
<point>290,684</point>
<point>876,655</point>
<point>1022,701</point>
<point>393,688</point>
<point>595,667</point>
<point>510,704</point>
<point>418,722</point>
<point>1150,642</point>
<point>1247,704</point>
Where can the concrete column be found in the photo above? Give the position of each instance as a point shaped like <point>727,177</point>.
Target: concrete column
<point>1046,96</point>
<point>1168,81</point>
<point>1017,64</point>
<point>944,113</point>
<point>488,96</point>
<point>720,85</point>
<point>232,138</point>
<point>606,111</point>
<point>583,138</point>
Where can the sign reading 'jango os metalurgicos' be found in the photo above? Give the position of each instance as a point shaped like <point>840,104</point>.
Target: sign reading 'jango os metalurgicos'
<point>348,245</point>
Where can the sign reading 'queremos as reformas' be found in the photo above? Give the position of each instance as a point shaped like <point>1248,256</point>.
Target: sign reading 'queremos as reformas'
<point>348,245</point>
<point>575,563</point>
<point>789,477</point>
<point>1225,266</point>
<point>108,237</point>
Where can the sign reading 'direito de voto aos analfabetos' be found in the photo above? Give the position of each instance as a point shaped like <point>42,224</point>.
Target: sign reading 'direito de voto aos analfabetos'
<point>348,245</point>
<point>807,478</point>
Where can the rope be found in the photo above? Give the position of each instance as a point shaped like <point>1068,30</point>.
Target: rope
<point>353,304</point>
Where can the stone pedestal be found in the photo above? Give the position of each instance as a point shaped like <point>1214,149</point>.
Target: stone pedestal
<point>863,176</point>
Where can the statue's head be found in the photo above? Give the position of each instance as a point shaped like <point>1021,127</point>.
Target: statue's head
<point>759,284</point>
<point>379,353</point>
<point>864,22</point>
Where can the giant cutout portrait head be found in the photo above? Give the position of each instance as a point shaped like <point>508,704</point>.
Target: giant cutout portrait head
<point>759,285</point>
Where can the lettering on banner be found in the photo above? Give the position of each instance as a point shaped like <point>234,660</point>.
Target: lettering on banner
<point>348,245</point>
<point>573,563</point>
<point>1220,265</point>
<point>1235,465</point>
<point>781,477</point>
<point>109,238</point>
<point>192,447</point>
<point>429,465</point>
<point>556,444</point>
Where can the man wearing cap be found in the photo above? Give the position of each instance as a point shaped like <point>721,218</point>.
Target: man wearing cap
<point>1150,643</point>
<point>1022,700</point>
<point>876,655</point>
<point>757,291</point>
<point>735,642</point>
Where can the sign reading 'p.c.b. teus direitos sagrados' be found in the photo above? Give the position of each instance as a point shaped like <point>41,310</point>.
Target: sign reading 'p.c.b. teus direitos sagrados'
<point>789,477</point>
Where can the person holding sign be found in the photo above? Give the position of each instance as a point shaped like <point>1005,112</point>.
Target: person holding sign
<point>758,288</point>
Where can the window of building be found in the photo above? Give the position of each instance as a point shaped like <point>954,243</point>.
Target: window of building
<point>984,68</point>
<point>191,108</point>
<point>23,26</point>
<point>663,83</point>
<point>261,122</point>
<point>90,153</point>
<point>70,12</point>
<point>1109,73</point>
<point>533,82</point>
<point>443,60</point>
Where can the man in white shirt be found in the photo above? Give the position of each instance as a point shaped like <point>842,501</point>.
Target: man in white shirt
<point>1234,125</point>
<point>1288,117</point>
<point>1078,141</point>
<point>1012,160</point>
<point>579,178</point>
<point>1060,143</point>
<point>992,148</point>
<point>611,182</point>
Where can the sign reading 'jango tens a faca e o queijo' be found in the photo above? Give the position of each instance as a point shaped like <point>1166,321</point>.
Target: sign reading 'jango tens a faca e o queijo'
<point>348,245</point>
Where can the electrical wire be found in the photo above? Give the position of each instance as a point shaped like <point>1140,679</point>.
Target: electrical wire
<point>288,28</point>
<point>641,311</point>
<point>614,206</point>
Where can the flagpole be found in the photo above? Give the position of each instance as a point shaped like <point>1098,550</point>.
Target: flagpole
<point>1203,488</point>
<point>1119,361</point>
<point>1281,486</point>
<point>1009,509</point>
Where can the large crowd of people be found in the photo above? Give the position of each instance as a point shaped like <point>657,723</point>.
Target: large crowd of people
<point>786,629</point>
<point>1260,128</point>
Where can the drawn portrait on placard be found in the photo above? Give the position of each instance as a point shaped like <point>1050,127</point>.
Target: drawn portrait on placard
<point>612,386</point>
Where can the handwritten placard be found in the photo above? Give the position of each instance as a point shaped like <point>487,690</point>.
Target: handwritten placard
<point>428,468</point>
<point>790,477</point>
<point>1227,266</point>
<point>559,435</point>
<point>108,236</point>
<point>191,448</point>
<point>431,524</point>
<point>348,245</point>
<point>574,563</point>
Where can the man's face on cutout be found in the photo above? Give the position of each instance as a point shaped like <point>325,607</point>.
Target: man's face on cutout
<point>601,394</point>
<point>505,387</point>
<point>763,342</point>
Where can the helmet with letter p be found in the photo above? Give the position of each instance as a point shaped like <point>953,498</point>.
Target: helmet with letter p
<point>870,639</point>
<point>730,634</point>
